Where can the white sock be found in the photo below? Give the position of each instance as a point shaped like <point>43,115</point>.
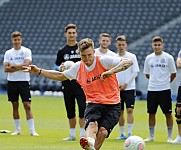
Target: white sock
<point>122,129</point>
<point>169,128</point>
<point>130,128</point>
<point>31,125</point>
<point>72,132</point>
<point>91,140</point>
<point>17,124</point>
<point>152,129</point>
<point>82,132</point>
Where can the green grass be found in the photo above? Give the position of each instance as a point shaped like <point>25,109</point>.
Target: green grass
<point>52,125</point>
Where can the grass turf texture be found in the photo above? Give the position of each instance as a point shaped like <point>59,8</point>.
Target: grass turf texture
<point>52,125</point>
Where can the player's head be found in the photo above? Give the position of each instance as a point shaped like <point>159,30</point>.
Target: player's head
<point>104,40</point>
<point>86,51</point>
<point>121,44</point>
<point>70,32</point>
<point>16,38</point>
<point>157,44</point>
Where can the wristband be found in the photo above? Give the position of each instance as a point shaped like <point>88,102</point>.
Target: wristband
<point>40,72</point>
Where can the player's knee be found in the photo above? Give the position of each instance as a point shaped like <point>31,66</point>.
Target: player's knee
<point>178,112</point>
<point>93,126</point>
<point>102,132</point>
<point>129,110</point>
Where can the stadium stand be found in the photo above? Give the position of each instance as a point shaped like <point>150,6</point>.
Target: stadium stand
<point>42,24</point>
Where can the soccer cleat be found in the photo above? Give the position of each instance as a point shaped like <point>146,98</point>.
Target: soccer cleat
<point>149,139</point>
<point>70,138</point>
<point>34,134</point>
<point>16,132</point>
<point>177,140</point>
<point>129,134</point>
<point>86,144</point>
<point>121,137</point>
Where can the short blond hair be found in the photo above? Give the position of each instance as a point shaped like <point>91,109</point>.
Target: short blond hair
<point>85,44</point>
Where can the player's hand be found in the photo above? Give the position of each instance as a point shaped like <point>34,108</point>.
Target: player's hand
<point>106,74</point>
<point>62,67</point>
<point>32,69</point>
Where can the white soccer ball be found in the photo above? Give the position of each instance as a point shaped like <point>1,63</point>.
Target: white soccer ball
<point>134,143</point>
<point>68,64</point>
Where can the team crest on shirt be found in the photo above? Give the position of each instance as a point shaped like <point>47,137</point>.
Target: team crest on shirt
<point>162,60</point>
<point>21,54</point>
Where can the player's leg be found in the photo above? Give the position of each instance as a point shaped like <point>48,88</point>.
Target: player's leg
<point>166,106</point>
<point>152,105</point>
<point>69,100</point>
<point>110,117</point>
<point>178,117</point>
<point>81,101</point>
<point>26,99</point>
<point>92,114</point>
<point>130,101</point>
<point>13,95</point>
<point>122,119</point>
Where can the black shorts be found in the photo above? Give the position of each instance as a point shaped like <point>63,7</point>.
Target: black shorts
<point>161,98</point>
<point>128,98</point>
<point>72,90</point>
<point>16,88</point>
<point>179,94</point>
<point>107,116</point>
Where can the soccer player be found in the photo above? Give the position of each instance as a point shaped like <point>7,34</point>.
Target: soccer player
<point>127,87</point>
<point>18,81</point>
<point>105,42</point>
<point>97,77</point>
<point>160,69</point>
<point>178,106</point>
<point>71,89</point>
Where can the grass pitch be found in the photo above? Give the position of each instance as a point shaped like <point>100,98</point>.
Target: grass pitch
<point>52,125</point>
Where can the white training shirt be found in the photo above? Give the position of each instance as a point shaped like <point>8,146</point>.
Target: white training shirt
<point>108,53</point>
<point>179,56</point>
<point>128,76</point>
<point>159,67</point>
<point>107,62</point>
<point>18,57</point>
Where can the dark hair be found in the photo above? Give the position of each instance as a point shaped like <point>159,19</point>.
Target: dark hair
<point>70,26</point>
<point>121,38</point>
<point>15,34</point>
<point>157,39</point>
<point>85,44</point>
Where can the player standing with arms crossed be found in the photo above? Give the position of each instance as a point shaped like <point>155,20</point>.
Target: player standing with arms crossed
<point>18,81</point>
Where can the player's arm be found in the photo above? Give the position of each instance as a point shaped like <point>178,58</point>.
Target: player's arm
<point>8,68</point>
<point>124,64</point>
<point>51,74</point>
<point>27,62</point>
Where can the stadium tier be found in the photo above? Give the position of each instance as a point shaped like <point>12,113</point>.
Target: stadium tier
<point>42,24</point>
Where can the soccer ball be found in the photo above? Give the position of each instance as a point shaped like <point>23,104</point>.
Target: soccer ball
<point>68,64</point>
<point>134,143</point>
